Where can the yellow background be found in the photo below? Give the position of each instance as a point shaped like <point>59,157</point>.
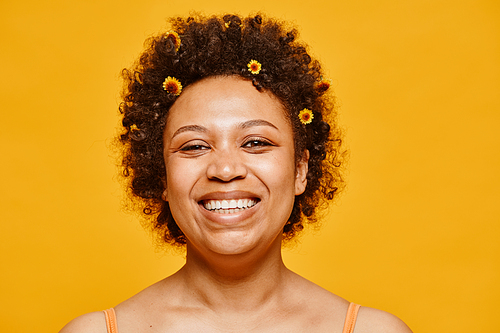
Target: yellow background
<point>416,233</point>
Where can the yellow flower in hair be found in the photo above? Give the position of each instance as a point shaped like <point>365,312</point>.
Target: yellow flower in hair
<point>175,38</point>
<point>172,86</point>
<point>306,116</point>
<point>323,85</point>
<point>228,24</point>
<point>254,66</point>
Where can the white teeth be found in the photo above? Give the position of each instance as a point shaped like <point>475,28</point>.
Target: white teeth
<point>228,207</point>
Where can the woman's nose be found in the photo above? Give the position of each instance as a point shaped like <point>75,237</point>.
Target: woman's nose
<point>226,166</point>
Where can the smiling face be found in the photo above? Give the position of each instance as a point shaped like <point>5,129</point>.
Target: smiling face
<point>230,166</point>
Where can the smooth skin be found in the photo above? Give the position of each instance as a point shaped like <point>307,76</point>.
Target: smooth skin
<point>224,140</point>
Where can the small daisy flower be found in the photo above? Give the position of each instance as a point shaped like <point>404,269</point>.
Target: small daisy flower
<point>323,85</point>
<point>172,86</point>
<point>254,66</point>
<point>306,116</point>
<point>175,38</point>
<point>228,24</point>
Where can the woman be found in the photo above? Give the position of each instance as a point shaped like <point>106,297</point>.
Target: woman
<point>230,145</point>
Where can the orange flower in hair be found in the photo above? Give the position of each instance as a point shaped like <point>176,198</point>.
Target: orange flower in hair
<point>323,85</point>
<point>175,38</point>
<point>254,66</point>
<point>306,116</point>
<point>172,86</point>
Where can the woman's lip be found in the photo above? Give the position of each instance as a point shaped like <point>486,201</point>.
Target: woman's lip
<point>229,195</point>
<point>230,218</point>
<point>225,205</point>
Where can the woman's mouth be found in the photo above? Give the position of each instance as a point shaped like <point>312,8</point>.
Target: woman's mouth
<point>229,206</point>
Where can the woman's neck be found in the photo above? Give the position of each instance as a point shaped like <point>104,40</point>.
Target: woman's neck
<point>235,282</point>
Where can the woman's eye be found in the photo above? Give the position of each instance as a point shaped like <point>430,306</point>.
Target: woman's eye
<point>256,143</point>
<point>194,147</point>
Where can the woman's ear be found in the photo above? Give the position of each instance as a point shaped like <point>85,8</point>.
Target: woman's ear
<point>301,173</point>
<point>164,195</point>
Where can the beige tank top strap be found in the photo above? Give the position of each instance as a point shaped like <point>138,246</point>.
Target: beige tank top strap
<point>350,318</point>
<point>111,320</point>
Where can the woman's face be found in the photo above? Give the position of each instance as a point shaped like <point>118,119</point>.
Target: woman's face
<point>230,166</point>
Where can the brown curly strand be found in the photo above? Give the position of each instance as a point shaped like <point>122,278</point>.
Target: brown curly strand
<point>220,47</point>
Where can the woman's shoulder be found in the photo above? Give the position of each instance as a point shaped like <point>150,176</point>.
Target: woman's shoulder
<point>375,321</point>
<point>93,322</point>
<point>334,308</point>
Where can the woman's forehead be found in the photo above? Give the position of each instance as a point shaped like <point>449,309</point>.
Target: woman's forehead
<point>225,97</point>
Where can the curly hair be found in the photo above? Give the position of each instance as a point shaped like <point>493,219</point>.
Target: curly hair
<point>200,47</point>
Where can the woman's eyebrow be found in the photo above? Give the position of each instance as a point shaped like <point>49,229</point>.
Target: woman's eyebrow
<point>188,128</point>
<point>243,125</point>
<point>255,122</point>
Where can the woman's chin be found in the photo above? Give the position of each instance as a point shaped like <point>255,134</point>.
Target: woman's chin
<point>233,243</point>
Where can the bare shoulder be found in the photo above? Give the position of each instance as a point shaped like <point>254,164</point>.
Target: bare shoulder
<point>374,321</point>
<point>93,322</point>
